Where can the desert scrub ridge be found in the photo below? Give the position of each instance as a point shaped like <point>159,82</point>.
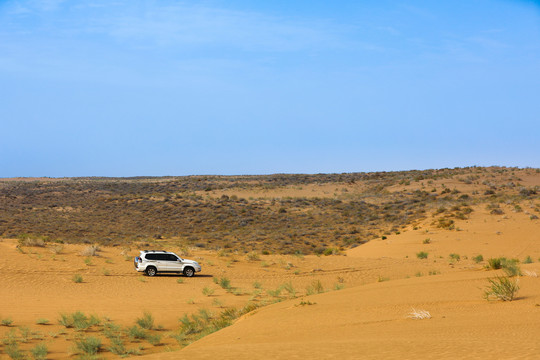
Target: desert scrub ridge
<point>368,207</point>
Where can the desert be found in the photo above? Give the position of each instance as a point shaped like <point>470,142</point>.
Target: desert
<point>402,284</point>
<point>329,180</point>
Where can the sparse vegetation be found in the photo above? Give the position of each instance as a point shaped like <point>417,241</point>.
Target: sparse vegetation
<point>6,322</point>
<point>14,352</point>
<point>31,240</point>
<point>225,283</point>
<point>455,257</point>
<point>88,345</point>
<point>42,321</point>
<point>253,256</point>
<point>78,321</point>
<point>422,255</point>
<point>494,263</point>
<point>316,287</point>
<point>146,321</point>
<point>39,352</point>
<point>511,267</point>
<point>207,291</point>
<point>306,303</point>
<point>478,259</point>
<point>502,288</point>
<point>77,278</point>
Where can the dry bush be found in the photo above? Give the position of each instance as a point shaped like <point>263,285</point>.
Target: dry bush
<point>419,314</point>
<point>91,250</point>
<point>57,249</point>
<point>30,241</point>
<point>529,273</point>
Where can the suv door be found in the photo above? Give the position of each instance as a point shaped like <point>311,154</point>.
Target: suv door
<point>173,263</point>
<point>158,260</point>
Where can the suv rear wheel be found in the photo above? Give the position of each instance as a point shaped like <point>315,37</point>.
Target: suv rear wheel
<point>151,271</point>
<point>189,271</point>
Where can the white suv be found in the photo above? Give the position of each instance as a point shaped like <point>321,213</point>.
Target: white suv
<point>154,261</point>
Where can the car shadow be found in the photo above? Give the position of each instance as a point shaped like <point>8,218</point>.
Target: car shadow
<point>180,275</point>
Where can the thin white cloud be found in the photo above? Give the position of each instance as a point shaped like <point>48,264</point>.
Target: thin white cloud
<point>199,25</point>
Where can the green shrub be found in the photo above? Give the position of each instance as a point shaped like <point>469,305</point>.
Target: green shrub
<point>225,283</point>
<point>77,278</point>
<point>289,288</point>
<point>154,339</point>
<point>426,241</point>
<point>66,320</point>
<point>331,251</point>
<point>494,263</point>
<point>274,293</point>
<point>25,333</point>
<point>338,286</point>
<point>501,288</point>
<point>88,345</point>
<point>39,352</point>
<point>511,267</point>
<point>455,257</point>
<point>80,321</point>
<point>117,346</point>
<point>316,287</point>
<point>6,322</point>
<point>445,223</point>
<point>422,255</point>
<point>13,351</point>
<point>136,333</point>
<point>528,260</point>
<point>207,291</point>
<point>146,322</point>
<point>112,330</point>
<point>478,259</point>
<point>42,321</point>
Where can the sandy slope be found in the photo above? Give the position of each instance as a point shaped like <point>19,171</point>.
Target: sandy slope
<point>371,321</point>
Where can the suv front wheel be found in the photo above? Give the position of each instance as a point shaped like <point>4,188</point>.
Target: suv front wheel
<point>151,271</point>
<point>189,272</point>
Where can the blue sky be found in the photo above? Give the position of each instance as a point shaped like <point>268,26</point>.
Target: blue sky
<point>129,87</point>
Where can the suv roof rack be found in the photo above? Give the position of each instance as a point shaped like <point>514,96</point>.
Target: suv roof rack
<point>147,251</point>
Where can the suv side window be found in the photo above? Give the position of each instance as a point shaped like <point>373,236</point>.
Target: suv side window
<point>161,256</point>
<point>151,257</point>
<point>171,257</point>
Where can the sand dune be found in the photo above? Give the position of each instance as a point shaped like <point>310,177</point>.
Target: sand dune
<point>365,310</point>
<point>372,321</point>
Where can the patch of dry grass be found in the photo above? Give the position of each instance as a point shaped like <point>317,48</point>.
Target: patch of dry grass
<point>419,314</point>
